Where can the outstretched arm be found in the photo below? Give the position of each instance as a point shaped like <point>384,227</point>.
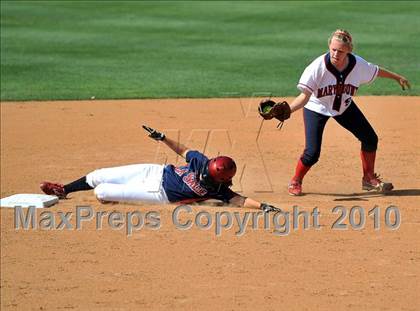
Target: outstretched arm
<point>172,144</point>
<point>242,201</point>
<point>176,146</point>
<point>402,81</point>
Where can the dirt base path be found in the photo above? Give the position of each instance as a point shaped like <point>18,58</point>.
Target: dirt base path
<point>267,269</point>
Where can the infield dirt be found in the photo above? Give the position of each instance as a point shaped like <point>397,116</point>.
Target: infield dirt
<point>172,269</point>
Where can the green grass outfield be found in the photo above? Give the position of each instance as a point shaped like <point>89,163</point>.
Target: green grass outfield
<point>106,49</point>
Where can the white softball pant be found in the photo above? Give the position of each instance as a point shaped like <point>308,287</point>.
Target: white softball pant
<point>130,183</point>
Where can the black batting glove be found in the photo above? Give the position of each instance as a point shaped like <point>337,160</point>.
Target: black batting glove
<point>267,208</point>
<point>154,134</point>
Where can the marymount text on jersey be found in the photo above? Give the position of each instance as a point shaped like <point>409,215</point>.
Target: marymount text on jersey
<point>337,89</point>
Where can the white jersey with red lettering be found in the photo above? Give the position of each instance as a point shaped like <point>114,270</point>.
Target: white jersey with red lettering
<point>332,90</point>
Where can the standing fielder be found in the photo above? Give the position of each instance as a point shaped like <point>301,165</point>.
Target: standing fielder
<point>199,180</point>
<point>327,86</point>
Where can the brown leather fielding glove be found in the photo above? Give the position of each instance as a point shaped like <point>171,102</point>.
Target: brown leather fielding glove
<point>269,109</point>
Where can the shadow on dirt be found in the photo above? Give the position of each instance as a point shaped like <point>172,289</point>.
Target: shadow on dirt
<point>364,196</point>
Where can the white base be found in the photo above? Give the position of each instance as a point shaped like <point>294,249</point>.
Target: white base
<point>28,200</point>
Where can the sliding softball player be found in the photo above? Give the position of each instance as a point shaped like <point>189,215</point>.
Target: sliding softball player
<point>198,180</point>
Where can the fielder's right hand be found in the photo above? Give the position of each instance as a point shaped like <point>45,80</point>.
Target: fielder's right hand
<point>154,134</point>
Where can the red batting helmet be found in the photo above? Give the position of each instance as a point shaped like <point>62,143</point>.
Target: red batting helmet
<point>221,169</point>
